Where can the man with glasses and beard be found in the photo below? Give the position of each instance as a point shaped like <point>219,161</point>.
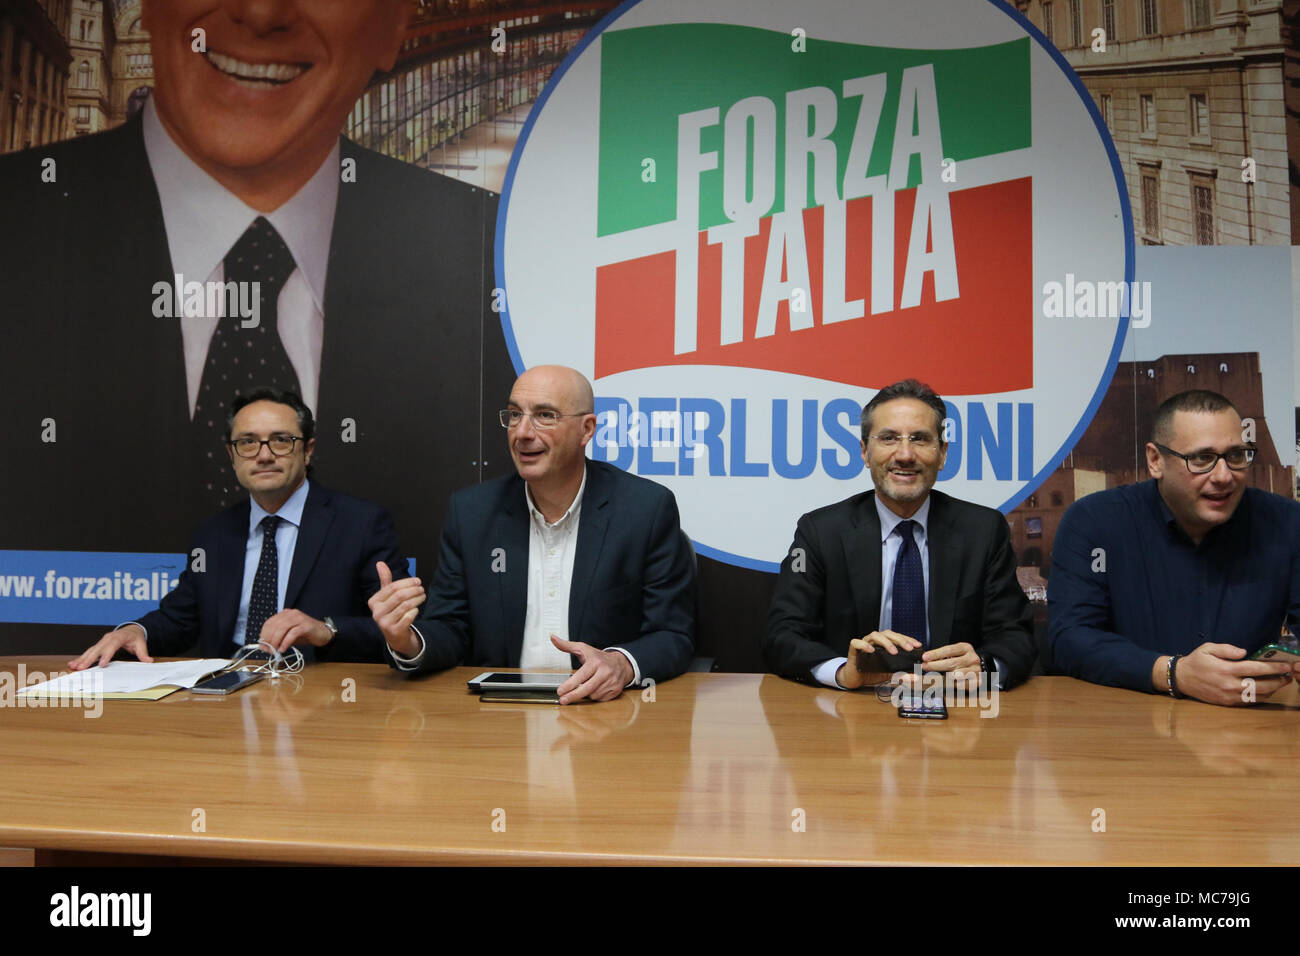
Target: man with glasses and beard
<point>886,580</point>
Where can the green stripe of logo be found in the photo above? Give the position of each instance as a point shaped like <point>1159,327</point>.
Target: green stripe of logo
<point>652,75</point>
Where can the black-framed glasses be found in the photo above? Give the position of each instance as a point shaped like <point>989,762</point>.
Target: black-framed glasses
<point>546,418</point>
<point>1204,462</point>
<point>921,441</point>
<point>250,447</point>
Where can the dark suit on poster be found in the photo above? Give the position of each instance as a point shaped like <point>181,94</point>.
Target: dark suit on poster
<point>973,593</point>
<point>633,579</point>
<point>406,293</point>
<point>333,574</point>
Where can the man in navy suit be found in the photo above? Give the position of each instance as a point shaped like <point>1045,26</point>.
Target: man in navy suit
<point>568,563</point>
<point>903,576</point>
<point>294,564</point>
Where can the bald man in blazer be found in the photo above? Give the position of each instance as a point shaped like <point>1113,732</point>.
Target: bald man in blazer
<point>568,563</point>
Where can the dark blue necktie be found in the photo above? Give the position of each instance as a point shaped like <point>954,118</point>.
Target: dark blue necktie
<point>265,599</point>
<point>908,615</point>
<point>240,359</point>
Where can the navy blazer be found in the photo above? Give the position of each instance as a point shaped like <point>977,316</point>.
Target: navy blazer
<point>333,575</point>
<point>833,596</point>
<point>633,579</point>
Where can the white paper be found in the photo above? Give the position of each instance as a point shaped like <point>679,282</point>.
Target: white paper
<point>126,677</point>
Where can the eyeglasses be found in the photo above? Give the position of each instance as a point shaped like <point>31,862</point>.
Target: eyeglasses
<point>1204,462</point>
<point>546,418</point>
<point>921,441</point>
<point>280,445</point>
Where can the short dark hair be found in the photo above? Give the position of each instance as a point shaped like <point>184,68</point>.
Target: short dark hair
<point>1193,400</point>
<point>281,396</point>
<point>907,388</point>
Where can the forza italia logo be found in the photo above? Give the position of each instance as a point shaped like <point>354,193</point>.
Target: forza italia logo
<point>796,226</point>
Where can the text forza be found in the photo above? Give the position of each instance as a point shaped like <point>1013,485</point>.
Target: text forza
<point>208,300</point>
<point>749,193</point>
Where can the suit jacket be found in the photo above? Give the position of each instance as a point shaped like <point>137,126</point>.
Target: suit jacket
<point>406,321</point>
<point>333,575</point>
<point>974,595</point>
<point>633,579</point>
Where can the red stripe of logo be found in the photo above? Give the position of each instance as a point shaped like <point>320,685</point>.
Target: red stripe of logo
<point>979,342</point>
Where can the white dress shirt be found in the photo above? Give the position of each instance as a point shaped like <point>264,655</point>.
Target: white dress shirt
<point>204,220</point>
<point>286,539</point>
<point>551,549</point>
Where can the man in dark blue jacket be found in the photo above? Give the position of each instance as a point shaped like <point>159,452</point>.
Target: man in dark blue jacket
<point>568,563</point>
<point>1169,585</point>
<point>292,565</point>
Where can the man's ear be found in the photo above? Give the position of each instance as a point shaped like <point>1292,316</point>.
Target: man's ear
<point>863,443</point>
<point>943,454</point>
<point>1155,461</point>
<point>308,450</point>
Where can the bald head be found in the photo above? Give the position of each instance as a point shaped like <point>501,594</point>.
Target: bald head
<point>566,388</point>
<point>549,439</point>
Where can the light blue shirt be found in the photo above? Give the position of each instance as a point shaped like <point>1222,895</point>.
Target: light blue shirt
<point>286,539</point>
<point>892,545</point>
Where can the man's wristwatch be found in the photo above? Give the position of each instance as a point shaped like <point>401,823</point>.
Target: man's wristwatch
<point>334,629</point>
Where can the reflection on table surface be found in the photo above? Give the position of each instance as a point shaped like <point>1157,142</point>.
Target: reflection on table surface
<point>357,763</point>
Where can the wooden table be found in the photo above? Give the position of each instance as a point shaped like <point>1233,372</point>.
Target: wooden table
<point>358,764</point>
